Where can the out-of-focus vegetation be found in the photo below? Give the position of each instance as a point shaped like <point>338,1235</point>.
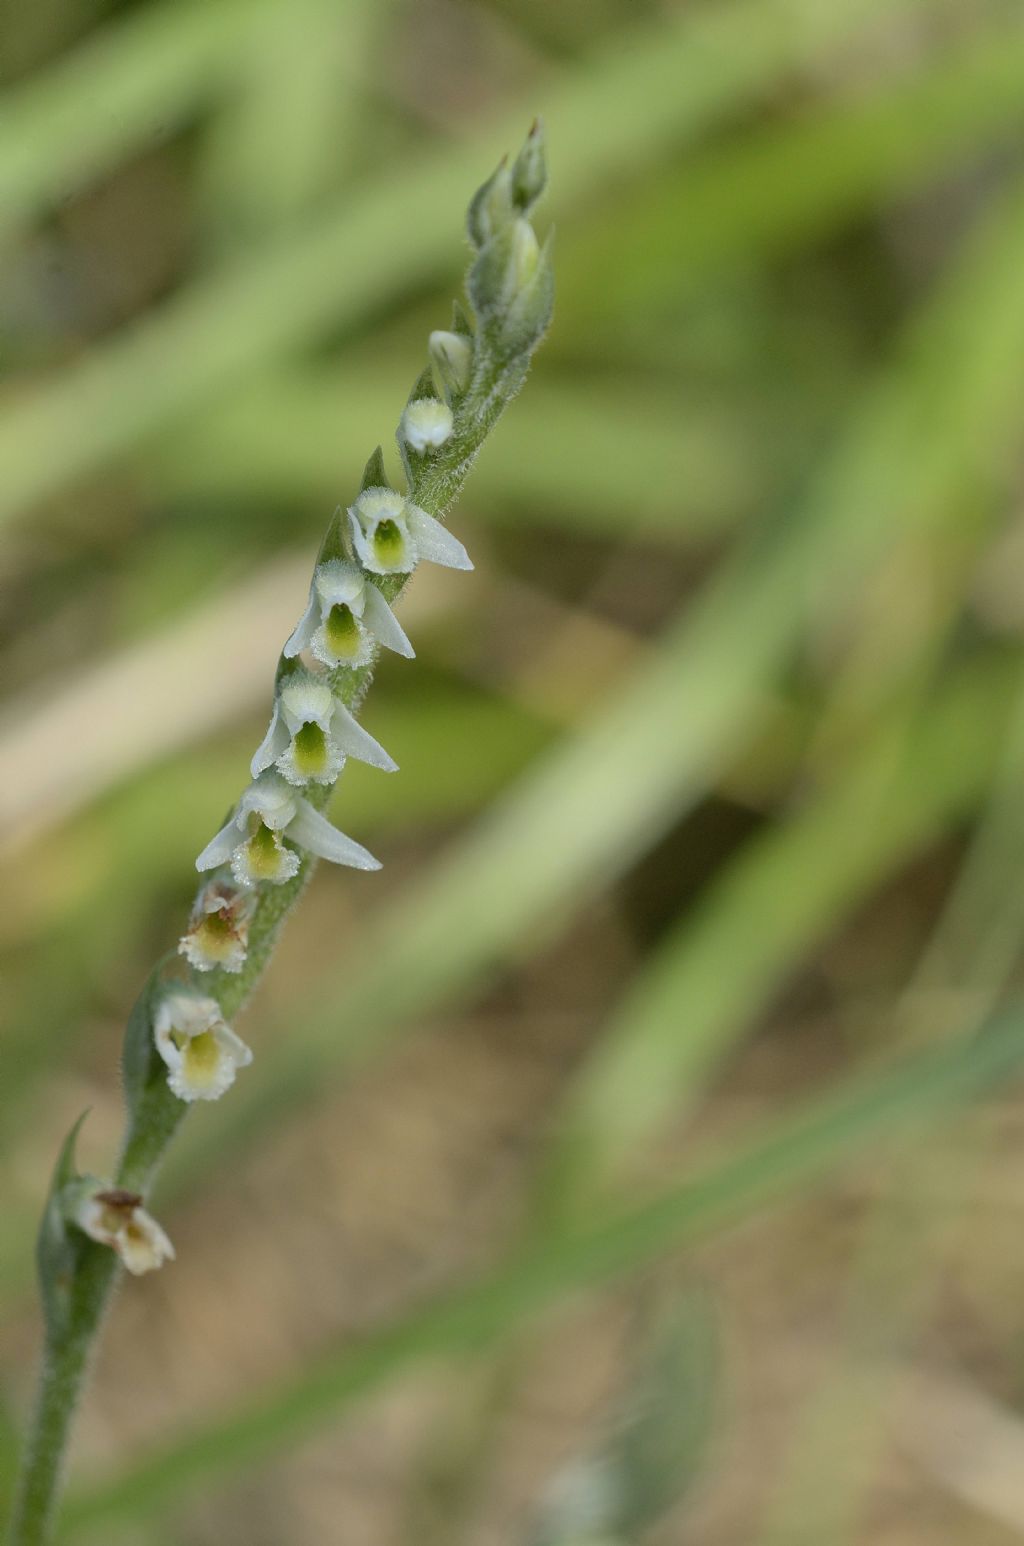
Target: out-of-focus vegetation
<point>637,1157</point>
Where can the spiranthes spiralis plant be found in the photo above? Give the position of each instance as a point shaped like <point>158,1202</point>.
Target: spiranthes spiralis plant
<point>179,1045</point>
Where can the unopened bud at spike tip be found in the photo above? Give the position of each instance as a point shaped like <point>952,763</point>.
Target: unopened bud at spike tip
<point>530,172</point>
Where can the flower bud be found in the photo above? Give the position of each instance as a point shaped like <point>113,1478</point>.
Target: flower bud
<point>452,354</point>
<point>529,171</point>
<point>426,424</point>
<point>491,207</point>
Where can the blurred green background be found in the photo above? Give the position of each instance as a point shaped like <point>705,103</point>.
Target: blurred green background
<point>637,1158</point>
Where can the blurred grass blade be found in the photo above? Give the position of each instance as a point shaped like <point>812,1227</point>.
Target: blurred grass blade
<point>134,82</point>
<point>944,413</point>
<point>790,1157</point>
<point>287,136</point>
<point>557,461</point>
<point>784,184</point>
<point>657,86</point>
<point>896,1272</point>
<point>782,896</point>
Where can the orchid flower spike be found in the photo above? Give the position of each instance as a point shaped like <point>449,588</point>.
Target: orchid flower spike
<point>202,1053</point>
<point>345,615</point>
<point>312,732</point>
<point>116,1218</point>
<point>391,535</point>
<point>218,930</point>
<point>252,842</point>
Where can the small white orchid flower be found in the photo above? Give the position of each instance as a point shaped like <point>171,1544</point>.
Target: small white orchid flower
<point>345,614</point>
<point>218,930</point>
<point>117,1218</point>
<point>202,1053</point>
<point>252,841</point>
<point>391,534</point>
<point>312,732</point>
<point>426,424</point>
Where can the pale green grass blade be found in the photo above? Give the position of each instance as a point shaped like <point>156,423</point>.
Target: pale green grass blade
<point>132,84</point>
<point>796,1153</point>
<point>897,1270</point>
<point>658,86</point>
<point>559,459</point>
<point>782,896</point>
<point>787,184</point>
<point>597,802</point>
<point>286,136</point>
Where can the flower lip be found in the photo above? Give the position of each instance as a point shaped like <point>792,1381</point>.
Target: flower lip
<point>218,931</point>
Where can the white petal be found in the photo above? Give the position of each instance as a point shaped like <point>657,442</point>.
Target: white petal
<point>305,627</point>
<point>435,542</point>
<point>235,1047</point>
<point>316,834</point>
<point>220,848</point>
<point>306,700</point>
<point>142,1245</point>
<point>384,625</point>
<point>339,584</point>
<point>272,800</point>
<point>348,733</point>
<point>272,745</point>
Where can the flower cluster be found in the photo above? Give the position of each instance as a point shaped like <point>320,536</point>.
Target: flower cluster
<point>382,535</point>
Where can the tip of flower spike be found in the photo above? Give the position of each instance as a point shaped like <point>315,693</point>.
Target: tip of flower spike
<point>529,172</point>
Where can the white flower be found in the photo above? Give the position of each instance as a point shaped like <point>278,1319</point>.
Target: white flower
<point>391,534</point>
<point>311,733</point>
<point>218,930</point>
<point>116,1218</point>
<point>201,1052</point>
<point>426,424</point>
<point>345,614</point>
<point>252,841</point>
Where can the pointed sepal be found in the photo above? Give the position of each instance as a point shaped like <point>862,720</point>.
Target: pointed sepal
<point>374,475</point>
